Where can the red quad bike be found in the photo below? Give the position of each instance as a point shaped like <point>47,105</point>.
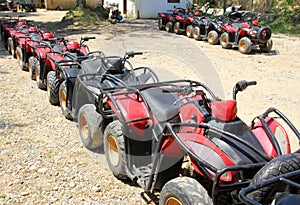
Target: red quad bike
<point>277,183</point>
<point>7,24</point>
<point>80,86</point>
<point>63,56</point>
<point>17,36</point>
<point>38,58</point>
<point>165,20</point>
<point>27,43</point>
<point>183,22</point>
<point>172,137</point>
<point>245,35</point>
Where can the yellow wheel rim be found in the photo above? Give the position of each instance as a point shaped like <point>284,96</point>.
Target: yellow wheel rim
<point>173,201</point>
<point>84,128</point>
<point>243,45</point>
<point>63,100</point>
<point>113,150</point>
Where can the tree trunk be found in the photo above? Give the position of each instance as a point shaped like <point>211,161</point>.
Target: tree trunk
<point>81,3</point>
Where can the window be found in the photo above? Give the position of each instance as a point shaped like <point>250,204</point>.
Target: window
<point>173,1</point>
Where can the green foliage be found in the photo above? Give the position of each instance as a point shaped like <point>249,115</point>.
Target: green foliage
<point>86,17</point>
<point>288,21</point>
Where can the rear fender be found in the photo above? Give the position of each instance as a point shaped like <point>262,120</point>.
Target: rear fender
<point>280,134</point>
<point>51,57</point>
<point>41,52</point>
<point>132,111</point>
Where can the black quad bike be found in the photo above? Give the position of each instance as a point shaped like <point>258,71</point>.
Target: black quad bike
<point>178,138</point>
<point>82,85</point>
<point>277,183</point>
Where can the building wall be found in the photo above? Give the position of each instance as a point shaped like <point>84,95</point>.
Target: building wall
<point>67,4</point>
<point>147,8</point>
<point>134,8</point>
<point>150,8</point>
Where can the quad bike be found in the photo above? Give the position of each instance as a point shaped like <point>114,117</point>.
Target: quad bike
<point>38,57</point>
<point>62,56</point>
<point>177,137</point>
<point>166,20</point>
<point>74,91</point>
<point>18,36</point>
<point>182,23</point>
<point>278,183</point>
<point>205,28</point>
<point>25,45</point>
<point>245,35</point>
<point>8,24</point>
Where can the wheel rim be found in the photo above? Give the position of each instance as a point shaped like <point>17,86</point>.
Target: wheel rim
<point>176,28</point>
<point>37,74</point>
<point>168,27</point>
<point>243,45</point>
<point>210,37</point>
<point>224,39</point>
<point>196,32</point>
<point>160,23</point>
<point>63,100</point>
<point>188,31</point>
<point>29,67</point>
<point>173,201</point>
<point>84,128</point>
<point>19,59</point>
<point>48,88</point>
<point>113,150</point>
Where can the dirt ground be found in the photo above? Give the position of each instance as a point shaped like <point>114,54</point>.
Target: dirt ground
<point>42,160</point>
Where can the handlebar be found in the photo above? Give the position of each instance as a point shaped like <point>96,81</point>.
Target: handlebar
<point>241,86</point>
<point>87,38</point>
<point>131,54</point>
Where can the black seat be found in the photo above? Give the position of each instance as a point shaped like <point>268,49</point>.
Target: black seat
<point>239,153</point>
<point>161,104</point>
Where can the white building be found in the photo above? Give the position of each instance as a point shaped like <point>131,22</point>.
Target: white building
<point>146,8</point>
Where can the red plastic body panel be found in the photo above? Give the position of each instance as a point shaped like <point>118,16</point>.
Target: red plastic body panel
<point>189,20</point>
<point>190,113</point>
<point>128,103</point>
<point>209,152</point>
<point>225,110</point>
<point>280,133</point>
